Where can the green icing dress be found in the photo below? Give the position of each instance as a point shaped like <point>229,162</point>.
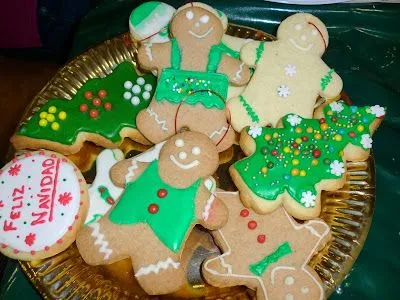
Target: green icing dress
<point>169,211</point>
<point>176,85</point>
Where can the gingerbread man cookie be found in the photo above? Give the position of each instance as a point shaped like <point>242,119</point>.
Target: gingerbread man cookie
<point>193,79</point>
<point>290,166</point>
<point>267,254</point>
<point>161,203</point>
<point>43,203</point>
<point>289,76</point>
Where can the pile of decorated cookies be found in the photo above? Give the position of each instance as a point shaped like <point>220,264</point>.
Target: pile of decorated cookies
<point>211,89</point>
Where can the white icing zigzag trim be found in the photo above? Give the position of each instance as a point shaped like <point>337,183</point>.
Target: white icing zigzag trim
<point>148,51</point>
<point>131,172</point>
<point>207,208</point>
<point>218,132</point>
<point>238,75</point>
<point>100,240</point>
<point>162,122</point>
<point>160,265</point>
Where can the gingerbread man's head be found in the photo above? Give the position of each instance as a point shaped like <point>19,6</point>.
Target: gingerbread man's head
<point>186,157</point>
<point>304,33</point>
<point>194,24</point>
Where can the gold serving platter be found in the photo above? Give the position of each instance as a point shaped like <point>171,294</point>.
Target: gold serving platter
<point>348,211</point>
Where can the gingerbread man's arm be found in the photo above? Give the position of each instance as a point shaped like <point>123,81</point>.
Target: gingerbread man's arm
<point>237,71</point>
<point>210,210</point>
<point>251,53</point>
<point>127,170</point>
<point>330,82</point>
<point>154,56</point>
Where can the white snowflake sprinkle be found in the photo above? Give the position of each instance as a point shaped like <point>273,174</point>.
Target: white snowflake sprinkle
<point>308,199</point>
<point>255,131</point>
<point>366,141</point>
<point>293,120</point>
<point>290,70</point>
<point>377,110</point>
<point>336,106</point>
<point>337,168</point>
<point>283,91</point>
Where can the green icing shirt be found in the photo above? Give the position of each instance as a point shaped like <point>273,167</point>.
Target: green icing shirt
<point>176,85</point>
<point>169,211</point>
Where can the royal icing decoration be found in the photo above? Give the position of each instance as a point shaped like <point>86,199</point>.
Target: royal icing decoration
<point>100,240</point>
<point>102,106</point>
<point>295,158</point>
<point>40,195</point>
<point>156,268</point>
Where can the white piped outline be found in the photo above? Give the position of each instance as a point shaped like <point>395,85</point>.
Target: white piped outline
<point>305,49</point>
<point>188,166</point>
<point>155,268</point>
<point>201,36</point>
<point>100,240</point>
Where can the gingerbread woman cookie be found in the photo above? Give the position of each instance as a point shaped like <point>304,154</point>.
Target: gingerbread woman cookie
<point>290,166</point>
<point>289,76</point>
<point>267,254</point>
<point>193,80</point>
<point>170,195</point>
<point>43,203</point>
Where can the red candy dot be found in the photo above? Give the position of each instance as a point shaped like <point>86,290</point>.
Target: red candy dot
<point>110,200</point>
<point>46,248</point>
<point>252,225</point>
<point>352,134</point>
<point>83,107</point>
<point>96,102</point>
<point>76,217</point>
<point>295,145</point>
<point>316,153</point>
<point>161,193</point>
<point>102,94</point>
<point>94,113</point>
<point>261,238</point>
<point>322,120</point>
<point>15,251</point>
<point>153,208</point>
<point>59,241</point>
<point>244,212</point>
<point>274,152</point>
<point>33,252</point>
<point>334,119</point>
<point>70,228</point>
<point>107,106</point>
<point>88,95</point>
<point>3,246</point>
<point>304,139</point>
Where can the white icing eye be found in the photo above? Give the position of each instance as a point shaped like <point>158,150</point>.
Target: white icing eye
<point>179,143</point>
<point>289,297</point>
<point>189,15</point>
<point>304,290</point>
<point>196,150</point>
<point>303,37</point>
<point>289,280</point>
<point>182,155</point>
<point>204,19</point>
<point>314,32</point>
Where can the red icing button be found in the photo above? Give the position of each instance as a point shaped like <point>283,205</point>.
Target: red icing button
<point>244,212</point>
<point>102,94</point>
<point>88,95</point>
<point>316,153</point>
<point>83,107</point>
<point>110,200</point>
<point>153,208</point>
<point>252,225</point>
<point>107,106</point>
<point>94,113</point>
<point>96,102</point>
<point>162,193</point>
<point>261,238</point>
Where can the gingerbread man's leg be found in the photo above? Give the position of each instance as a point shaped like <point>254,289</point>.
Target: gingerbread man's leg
<point>156,122</point>
<point>243,114</point>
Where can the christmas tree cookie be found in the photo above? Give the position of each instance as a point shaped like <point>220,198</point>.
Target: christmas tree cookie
<point>290,166</point>
<point>103,111</point>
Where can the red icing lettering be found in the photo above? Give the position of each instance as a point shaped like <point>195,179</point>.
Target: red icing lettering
<point>48,162</point>
<point>46,180</point>
<point>8,226</point>
<point>15,215</point>
<point>40,218</point>
<point>17,206</point>
<point>44,201</point>
<point>20,191</point>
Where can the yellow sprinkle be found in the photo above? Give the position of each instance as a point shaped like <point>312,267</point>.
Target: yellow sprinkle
<point>43,123</point>
<point>55,126</point>
<point>295,162</point>
<point>338,137</point>
<point>324,126</point>
<point>50,118</point>
<point>317,136</point>
<point>295,172</point>
<point>341,153</point>
<point>309,129</point>
<point>275,135</point>
<point>360,128</point>
<point>302,173</point>
<point>314,162</point>
<point>43,115</point>
<point>286,149</point>
<point>264,170</point>
<point>329,113</point>
<point>267,137</point>
<point>62,115</point>
<point>298,140</point>
<point>298,130</point>
<point>296,152</point>
<point>52,109</point>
